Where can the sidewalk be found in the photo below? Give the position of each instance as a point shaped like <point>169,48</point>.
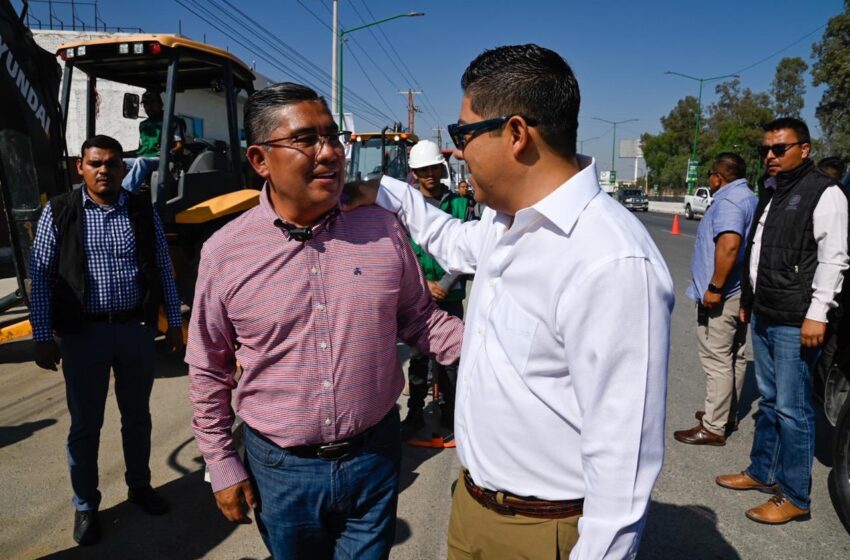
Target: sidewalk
<point>666,207</point>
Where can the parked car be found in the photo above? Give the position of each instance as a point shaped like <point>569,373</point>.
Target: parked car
<point>633,199</point>
<point>697,203</point>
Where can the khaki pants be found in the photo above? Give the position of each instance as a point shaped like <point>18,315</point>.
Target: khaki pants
<point>478,533</point>
<point>722,352</point>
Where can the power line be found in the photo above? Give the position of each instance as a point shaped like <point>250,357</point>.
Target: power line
<point>312,13</point>
<point>401,60</point>
<point>783,49</point>
<point>378,93</point>
<point>317,71</point>
<point>305,65</point>
<point>365,74</point>
<point>258,51</point>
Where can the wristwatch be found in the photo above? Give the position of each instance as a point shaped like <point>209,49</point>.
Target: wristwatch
<point>714,289</point>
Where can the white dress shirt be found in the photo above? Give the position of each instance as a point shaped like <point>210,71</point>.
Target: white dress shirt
<point>829,225</point>
<point>562,381</point>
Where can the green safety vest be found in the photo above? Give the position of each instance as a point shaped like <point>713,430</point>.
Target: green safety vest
<point>455,205</point>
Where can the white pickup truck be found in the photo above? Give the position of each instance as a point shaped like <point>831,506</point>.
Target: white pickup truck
<point>697,203</point>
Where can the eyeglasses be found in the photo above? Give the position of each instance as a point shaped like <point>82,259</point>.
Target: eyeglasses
<point>777,149</point>
<point>311,141</point>
<point>462,134</point>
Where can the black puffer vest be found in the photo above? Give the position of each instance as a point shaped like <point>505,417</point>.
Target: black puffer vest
<point>789,252</point>
<point>69,292</point>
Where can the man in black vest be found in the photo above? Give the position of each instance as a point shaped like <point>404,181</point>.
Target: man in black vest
<point>795,256</point>
<point>100,270</point>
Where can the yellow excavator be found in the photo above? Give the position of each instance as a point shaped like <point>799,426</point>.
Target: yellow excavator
<point>196,192</point>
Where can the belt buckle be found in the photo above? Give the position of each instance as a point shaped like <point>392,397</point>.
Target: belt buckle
<point>109,316</point>
<point>334,451</point>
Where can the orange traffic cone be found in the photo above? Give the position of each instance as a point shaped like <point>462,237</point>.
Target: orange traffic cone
<point>675,229</point>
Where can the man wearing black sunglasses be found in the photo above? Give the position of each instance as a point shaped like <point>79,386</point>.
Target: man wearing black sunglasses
<point>559,421</point>
<point>796,254</point>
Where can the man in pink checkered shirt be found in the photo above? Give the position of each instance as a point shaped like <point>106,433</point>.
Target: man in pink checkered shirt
<point>310,303</point>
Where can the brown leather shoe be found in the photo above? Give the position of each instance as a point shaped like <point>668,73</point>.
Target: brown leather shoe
<point>743,481</point>
<point>699,436</point>
<point>730,426</point>
<point>777,510</point>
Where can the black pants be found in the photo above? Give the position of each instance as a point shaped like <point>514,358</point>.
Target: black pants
<point>445,376</point>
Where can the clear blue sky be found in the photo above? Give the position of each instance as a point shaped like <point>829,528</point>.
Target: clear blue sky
<point>619,49</point>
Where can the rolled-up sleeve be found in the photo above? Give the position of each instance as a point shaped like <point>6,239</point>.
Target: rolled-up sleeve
<point>728,217</point>
<point>620,385</point>
<point>211,357</point>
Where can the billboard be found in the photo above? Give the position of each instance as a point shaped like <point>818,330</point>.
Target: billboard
<point>630,148</point>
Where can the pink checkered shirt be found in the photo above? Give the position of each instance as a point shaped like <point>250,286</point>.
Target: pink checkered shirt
<point>314,327</point>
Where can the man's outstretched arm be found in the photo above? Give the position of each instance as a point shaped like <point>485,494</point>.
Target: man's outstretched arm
<point>456,245</point>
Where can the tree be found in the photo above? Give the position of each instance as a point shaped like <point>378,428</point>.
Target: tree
<point>788,87</point>
<point>832,69</point>
<point>667,153</point>
<point>735,124</point>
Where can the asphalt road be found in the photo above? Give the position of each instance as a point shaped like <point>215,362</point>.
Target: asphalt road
<point>690,516</point>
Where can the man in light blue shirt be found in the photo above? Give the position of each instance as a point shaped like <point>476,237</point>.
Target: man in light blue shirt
<point>716,269</point>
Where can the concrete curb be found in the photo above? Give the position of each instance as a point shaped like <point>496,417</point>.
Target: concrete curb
<point>667,207</point>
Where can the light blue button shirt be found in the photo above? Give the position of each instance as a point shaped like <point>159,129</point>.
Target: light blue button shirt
<point>732,210</point>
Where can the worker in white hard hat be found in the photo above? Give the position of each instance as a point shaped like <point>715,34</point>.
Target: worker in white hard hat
<point>429,166</point>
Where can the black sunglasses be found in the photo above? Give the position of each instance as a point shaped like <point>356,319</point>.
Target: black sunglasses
<point>777,149</point>
<point>462,134</point>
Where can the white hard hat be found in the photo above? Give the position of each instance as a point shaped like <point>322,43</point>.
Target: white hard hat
<point>425,154</point>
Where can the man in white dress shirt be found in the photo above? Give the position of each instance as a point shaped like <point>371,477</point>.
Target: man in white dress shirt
<point>559,418</point>
<point>796,255</point>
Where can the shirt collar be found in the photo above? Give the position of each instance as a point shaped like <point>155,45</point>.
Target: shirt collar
<point>268,212</point>
<point>565,204</point>
<point>122,198</point>
<point>727,190</point>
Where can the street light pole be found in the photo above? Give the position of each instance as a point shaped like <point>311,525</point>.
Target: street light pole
<point>342,34</point>
<point>614,141</point>
<point>692,163</point>
<point>334,54</point>
<point>581,143</point>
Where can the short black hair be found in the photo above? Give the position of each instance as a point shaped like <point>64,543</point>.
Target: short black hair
<point>529,80</point>
<point>261,108</point>
<point>730,165</point>
<point>833,163</point>
<point>798,126</point>
<point>104,143</point>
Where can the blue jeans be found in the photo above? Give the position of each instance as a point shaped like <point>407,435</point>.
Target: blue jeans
<point>318,509</point>
<point>784,442</point>
<point>138,170</point>
<point>87,357</point>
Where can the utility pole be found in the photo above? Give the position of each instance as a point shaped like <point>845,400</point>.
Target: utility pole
<point>411,109</point>
<point>439,132</point>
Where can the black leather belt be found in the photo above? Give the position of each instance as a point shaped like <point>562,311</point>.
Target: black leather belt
<point>121,316</point>
<point>508,504</point>
<point>333,451</point>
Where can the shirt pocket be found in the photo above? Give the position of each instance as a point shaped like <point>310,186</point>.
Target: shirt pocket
<point>514,329</point>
